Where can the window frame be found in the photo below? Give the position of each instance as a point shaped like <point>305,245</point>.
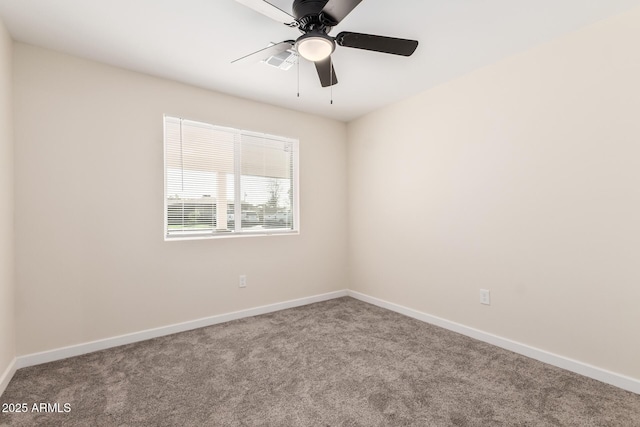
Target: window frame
<point>237,231</point>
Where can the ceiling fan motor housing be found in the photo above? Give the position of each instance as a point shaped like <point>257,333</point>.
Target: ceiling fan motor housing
<point>309,15</point>
<point>302,8</point>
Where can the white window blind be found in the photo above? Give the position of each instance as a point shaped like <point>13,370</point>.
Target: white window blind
<point>221,181</point>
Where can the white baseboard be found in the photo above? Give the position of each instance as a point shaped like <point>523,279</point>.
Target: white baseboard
<point>7,375</point>
<point>89,347</point>
<point>618,380</point>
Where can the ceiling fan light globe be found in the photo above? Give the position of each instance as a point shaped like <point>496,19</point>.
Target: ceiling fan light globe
<point>315,48</point>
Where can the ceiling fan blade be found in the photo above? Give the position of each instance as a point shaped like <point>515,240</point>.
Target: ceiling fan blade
<point>265,53</point>
<point>339,9</point>
<point>383,44</point>
<point>269,10</point>
<point>326,72</point>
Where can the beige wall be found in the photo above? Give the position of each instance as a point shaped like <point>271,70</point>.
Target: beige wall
<point>522,178</point>
<point>91,262</point>
<point>7,300</point>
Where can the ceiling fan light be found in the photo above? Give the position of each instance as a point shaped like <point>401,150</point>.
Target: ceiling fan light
<point>315,48</point>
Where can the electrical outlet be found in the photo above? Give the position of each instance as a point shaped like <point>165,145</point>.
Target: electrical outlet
<point>485,297</point>
<point>243,281</point>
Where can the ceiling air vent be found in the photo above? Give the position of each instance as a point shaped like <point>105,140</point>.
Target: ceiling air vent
<point>283,60</point>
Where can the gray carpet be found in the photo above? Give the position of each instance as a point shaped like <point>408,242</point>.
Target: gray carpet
<point>335,363</point>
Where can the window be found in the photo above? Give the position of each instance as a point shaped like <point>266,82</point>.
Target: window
<point>223,182</point>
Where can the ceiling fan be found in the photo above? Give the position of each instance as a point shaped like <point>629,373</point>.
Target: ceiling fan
<point>315,19</point>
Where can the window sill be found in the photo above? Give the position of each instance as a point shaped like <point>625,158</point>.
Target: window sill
<point>230,235</point>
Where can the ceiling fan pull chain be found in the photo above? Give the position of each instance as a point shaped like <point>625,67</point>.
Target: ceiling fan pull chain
<point>298,68</point>
<point>331,78</point>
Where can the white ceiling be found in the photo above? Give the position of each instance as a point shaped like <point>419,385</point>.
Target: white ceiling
<point>194,41</point>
